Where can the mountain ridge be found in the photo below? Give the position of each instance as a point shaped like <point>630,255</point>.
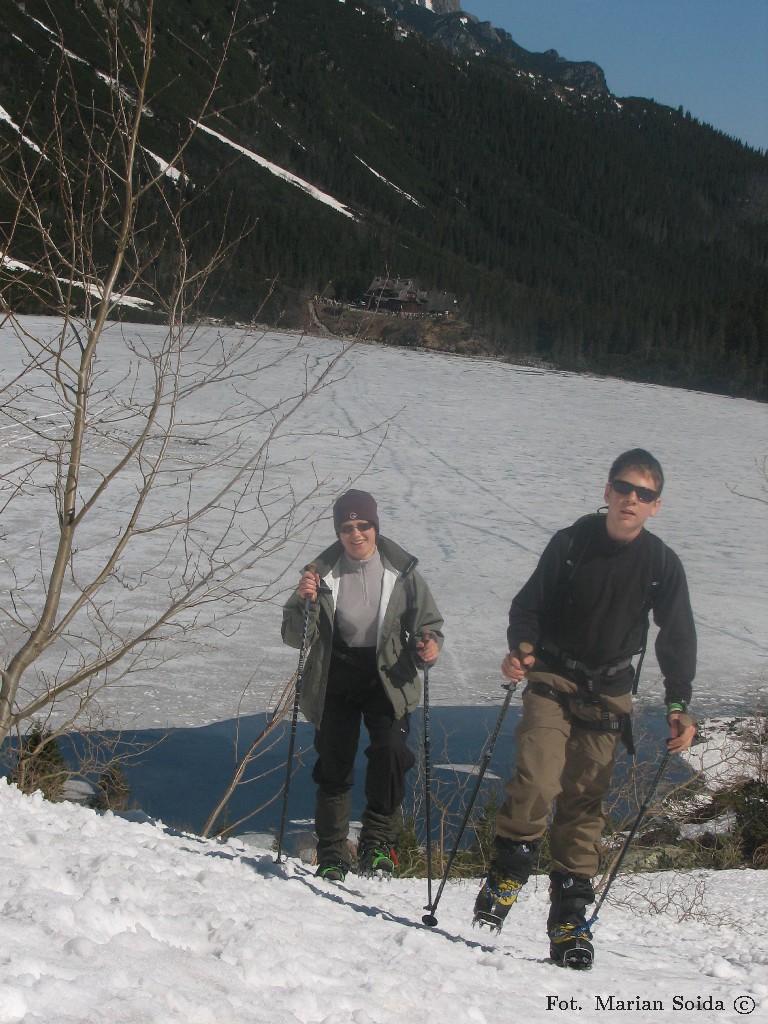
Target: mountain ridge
<point>589,233</point>
<point>466,36</point>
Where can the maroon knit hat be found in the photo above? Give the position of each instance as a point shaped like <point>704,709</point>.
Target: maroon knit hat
<point>355,505</point>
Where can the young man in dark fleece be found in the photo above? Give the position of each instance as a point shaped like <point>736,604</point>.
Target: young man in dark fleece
<point>584,611</point>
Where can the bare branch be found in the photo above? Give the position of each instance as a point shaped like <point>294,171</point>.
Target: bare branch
<point>158,476</point>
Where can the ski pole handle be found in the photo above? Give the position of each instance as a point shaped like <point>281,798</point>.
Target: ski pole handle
<point>308,600</point>
<point>426,636</point>
<point>524,651</point>
<point>304,635</point>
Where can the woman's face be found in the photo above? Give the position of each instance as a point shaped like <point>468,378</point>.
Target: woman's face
<point>358,538</point>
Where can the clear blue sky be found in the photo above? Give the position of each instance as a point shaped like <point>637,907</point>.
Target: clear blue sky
<point>710,56</point>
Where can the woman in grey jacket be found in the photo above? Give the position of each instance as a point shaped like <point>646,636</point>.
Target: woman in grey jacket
<point>372,624</point>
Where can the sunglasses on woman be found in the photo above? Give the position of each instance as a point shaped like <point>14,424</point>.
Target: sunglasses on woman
<point>351,527</point>
<point>644,494</point>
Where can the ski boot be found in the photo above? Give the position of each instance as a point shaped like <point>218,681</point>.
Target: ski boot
<point>331,871</point>
<point>376,860</point>
<point>569,934</point>
<point>509,871</point>
<point>494,901</point>
<point>569,946</point>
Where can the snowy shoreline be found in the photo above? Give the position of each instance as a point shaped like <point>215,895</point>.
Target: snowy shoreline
<point>110,919</point>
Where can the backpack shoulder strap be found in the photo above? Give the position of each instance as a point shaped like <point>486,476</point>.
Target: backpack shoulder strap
<point>659,555</point>
<point>410,601</point>
<point>577,546</point>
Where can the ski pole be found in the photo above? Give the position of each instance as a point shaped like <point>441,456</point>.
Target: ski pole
<point>425,634</point>
<point>430,919</point>
<point>291,743</point>
<point>630,836</point>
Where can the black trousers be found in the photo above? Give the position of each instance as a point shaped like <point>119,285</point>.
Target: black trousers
<point>355,696</point>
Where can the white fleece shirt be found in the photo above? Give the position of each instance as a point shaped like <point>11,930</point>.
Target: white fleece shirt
<point>358,599</point>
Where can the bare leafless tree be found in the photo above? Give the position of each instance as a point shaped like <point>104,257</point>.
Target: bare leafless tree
<point>265,740</point>
<point>146,486</point>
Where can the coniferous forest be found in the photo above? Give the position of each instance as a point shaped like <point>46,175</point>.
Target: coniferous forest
<point>585,231</point>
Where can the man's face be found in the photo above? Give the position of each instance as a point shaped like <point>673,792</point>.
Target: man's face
<point>626,512</point>
<point>359,543</point>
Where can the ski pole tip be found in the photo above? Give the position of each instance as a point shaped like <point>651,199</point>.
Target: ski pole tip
<point>430,920</point>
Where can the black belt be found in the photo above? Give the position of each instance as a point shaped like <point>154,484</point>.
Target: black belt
<point>607,671</point>
<point>609,721</point>
<point>367,662</point>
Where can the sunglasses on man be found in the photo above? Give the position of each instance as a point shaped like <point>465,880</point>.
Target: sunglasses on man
<point>351,527</point>
<point>644,494</point>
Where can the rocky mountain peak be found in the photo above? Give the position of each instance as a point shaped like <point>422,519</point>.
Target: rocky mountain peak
<point>444,22</point>
<point>439,6</point>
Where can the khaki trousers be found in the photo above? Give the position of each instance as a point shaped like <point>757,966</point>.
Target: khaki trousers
<point>560,761</point>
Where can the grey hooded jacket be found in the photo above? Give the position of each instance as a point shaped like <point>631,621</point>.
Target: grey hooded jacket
<point>406,608</point>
